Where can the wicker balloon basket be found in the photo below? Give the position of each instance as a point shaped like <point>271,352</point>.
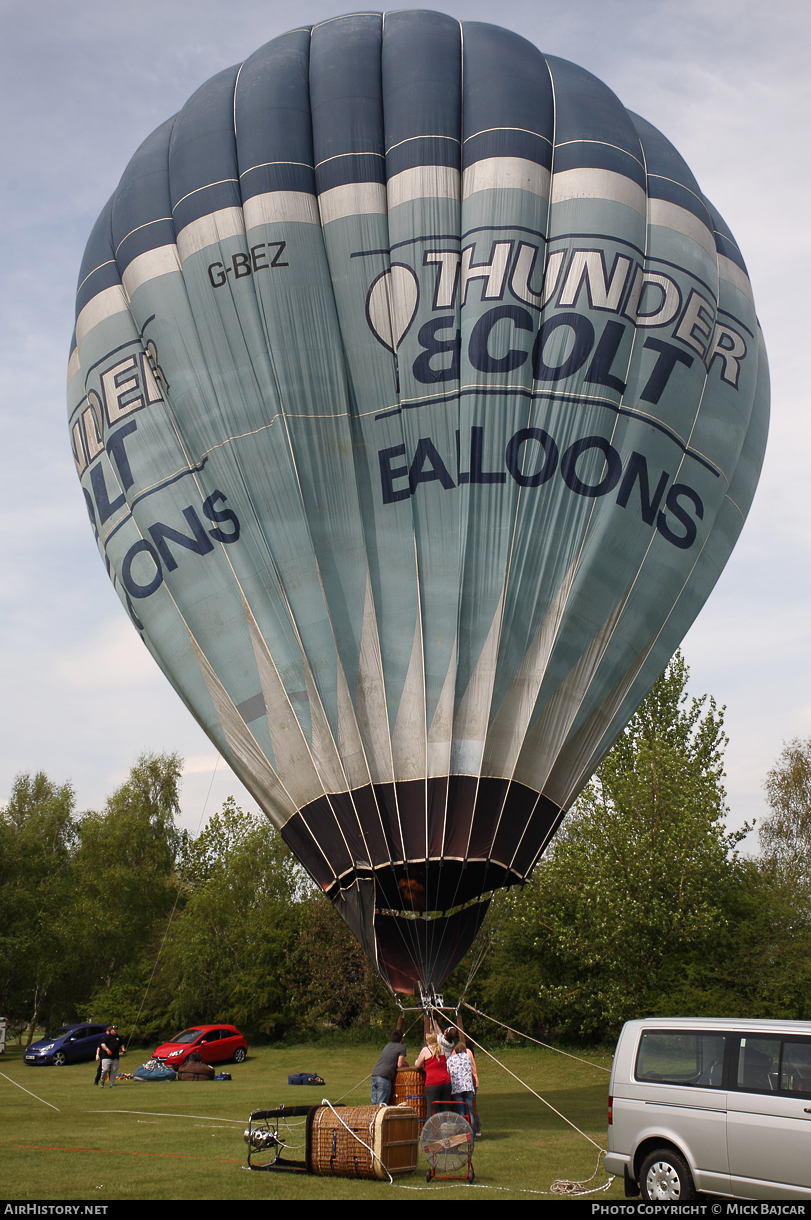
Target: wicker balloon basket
<point>340,1141</point>
<point>409,1088</point>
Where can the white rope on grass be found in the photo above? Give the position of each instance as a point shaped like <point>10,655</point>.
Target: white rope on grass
<point>30,1094</point>
<point>354,1134</point>
<point>517,1190</point>
<point>561,1186</point>
<point>518,1034</point>
<point>217,1118</point>
<point>574,1126</point>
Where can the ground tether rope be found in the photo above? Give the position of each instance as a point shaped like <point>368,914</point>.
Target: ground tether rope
<point>518,1034</point>
<point>30,1094</point>
<point>519,1190</point>
<point>215,1118</point>
<point>574,1127</point>
<point>561,1186</point>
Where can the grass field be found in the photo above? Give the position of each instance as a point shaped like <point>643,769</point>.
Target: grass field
<point>184,1140</point>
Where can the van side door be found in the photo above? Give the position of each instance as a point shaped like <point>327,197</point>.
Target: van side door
<point>769,1117</point>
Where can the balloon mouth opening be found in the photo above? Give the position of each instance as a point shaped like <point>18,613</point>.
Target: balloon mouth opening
<point>396,914</point>
<point>412,950</point>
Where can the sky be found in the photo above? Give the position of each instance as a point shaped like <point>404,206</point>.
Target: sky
<point>83,84</point>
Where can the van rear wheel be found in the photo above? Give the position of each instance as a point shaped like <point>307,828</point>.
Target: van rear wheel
<point>664,1175</point>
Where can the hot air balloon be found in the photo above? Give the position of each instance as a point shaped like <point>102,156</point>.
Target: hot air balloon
<point>418,399</point>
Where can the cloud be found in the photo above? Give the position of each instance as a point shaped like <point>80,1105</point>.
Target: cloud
<point>115,657</point>
<point>201,764</point>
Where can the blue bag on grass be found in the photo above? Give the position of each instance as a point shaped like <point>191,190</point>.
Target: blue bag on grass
<point>153,1070</point>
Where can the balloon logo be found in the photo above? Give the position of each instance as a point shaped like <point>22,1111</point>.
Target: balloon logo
<point>418,399</point>
<point>392,305</point>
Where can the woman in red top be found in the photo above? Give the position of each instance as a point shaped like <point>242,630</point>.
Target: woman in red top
<point>437,1077</point>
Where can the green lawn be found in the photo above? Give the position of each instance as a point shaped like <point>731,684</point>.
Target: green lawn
<point>184,1140</point>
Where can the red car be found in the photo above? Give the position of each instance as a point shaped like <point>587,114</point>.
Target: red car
<point>213,1043</point>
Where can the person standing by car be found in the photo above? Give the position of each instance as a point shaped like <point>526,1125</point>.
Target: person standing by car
<point>111,1048</point>
<point>99,1056</point>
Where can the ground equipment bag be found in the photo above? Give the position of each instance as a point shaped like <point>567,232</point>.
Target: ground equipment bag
<point>153,1070</point>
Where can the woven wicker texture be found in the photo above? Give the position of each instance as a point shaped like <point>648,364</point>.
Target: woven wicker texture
<point>409,1087</point>
<point>390,1131</point>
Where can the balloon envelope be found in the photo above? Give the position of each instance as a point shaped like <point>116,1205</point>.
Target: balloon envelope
<point>418,399</point>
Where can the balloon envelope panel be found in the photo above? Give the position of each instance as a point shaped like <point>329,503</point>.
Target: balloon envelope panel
<point>418,399</point>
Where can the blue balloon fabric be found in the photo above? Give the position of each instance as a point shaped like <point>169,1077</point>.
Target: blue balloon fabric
<point>418,399</point>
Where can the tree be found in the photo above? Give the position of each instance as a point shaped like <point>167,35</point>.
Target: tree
<point>335,983</point>
<point>785,836</point>
<point>775,940</point>
<point>37,836</point>
<point>124,871</point>
<point>229,952</point>
<point>117,914</point>
<point>622,916</point>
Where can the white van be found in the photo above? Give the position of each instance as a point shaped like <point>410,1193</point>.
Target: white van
<point>720,1106</point>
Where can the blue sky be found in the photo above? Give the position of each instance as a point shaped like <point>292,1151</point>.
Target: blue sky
<point>83,84</point>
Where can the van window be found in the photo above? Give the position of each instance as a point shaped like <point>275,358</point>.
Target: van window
<point>757,1064</point>
<point>795,1073</point>
<point>670,1057</point>
<point>763,1069</point>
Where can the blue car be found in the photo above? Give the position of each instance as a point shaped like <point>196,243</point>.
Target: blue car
<point>67,1044</point>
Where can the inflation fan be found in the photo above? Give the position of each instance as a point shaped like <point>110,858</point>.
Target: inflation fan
<point>446,1141</point>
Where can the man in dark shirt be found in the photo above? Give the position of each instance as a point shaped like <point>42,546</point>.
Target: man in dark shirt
<point>111,1049</point>
<point>100,1056</point>
<point>392,1057</point>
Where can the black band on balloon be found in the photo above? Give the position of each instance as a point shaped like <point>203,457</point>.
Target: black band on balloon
<point>422,846</point>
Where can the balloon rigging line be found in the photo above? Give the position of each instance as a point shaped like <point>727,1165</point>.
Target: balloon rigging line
<point>30,1094</point>
<point>474,969</point>
<point>174,908</point>
<point>208,794</point>
<point>556,1049</point>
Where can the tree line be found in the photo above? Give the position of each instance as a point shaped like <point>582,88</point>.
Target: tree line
<point>645,905</point>
<point>119,914</point>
